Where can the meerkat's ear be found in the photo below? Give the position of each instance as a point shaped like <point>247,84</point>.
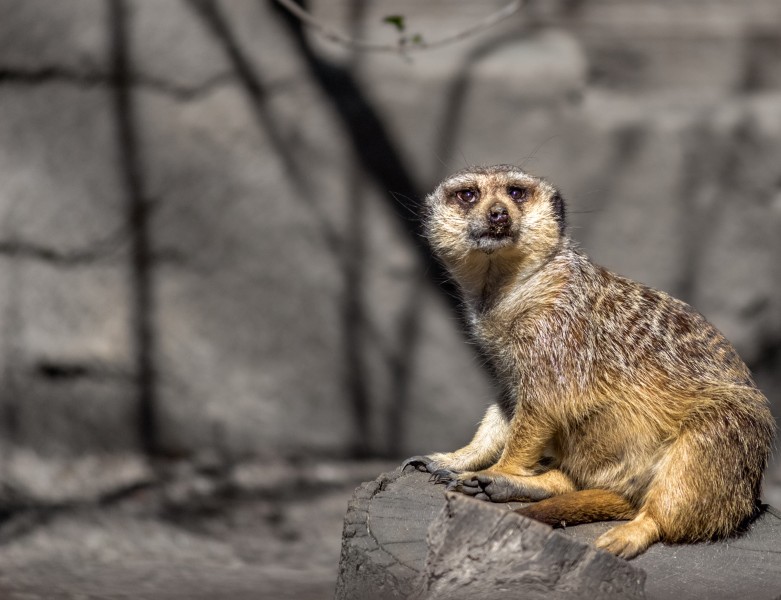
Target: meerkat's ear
<point>558,211</point>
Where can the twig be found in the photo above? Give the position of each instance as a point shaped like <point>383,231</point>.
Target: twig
<point>344,40</point>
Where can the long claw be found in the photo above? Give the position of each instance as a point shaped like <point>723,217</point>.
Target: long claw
<point>417,462</point>
<point>443,475</point>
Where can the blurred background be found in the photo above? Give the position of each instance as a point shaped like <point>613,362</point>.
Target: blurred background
<point>217,314</point>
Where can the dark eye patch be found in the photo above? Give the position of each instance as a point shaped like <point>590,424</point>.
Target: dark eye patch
<point>467,196</point>
<point>517,194</point>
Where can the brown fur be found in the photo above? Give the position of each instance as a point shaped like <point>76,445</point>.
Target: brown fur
<point>609,385</point>
<point>585,506</point>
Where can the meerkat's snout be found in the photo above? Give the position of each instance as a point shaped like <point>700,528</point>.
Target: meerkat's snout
<point>493,228</point>
<point>499,220</point>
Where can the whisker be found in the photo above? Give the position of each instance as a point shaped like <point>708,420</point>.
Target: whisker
<point>537,148</point>
<point>411,205</point>
<point>463,157</point>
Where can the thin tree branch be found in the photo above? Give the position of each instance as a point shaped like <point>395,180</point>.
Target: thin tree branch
<point>131,171</point>
<point>344,40</point>
<point>86,78</point>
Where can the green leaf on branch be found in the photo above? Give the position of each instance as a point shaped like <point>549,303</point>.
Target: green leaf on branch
<point>396,20</point>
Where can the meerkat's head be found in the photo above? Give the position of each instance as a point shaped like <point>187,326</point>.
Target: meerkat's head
<point>499,213</point>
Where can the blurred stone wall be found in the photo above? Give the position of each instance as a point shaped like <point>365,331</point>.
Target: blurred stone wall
<point>207,238</point>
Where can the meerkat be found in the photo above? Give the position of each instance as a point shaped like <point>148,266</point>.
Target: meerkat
<point>620,402</point>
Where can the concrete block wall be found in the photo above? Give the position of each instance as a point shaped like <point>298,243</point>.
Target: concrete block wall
<point>289,312</point>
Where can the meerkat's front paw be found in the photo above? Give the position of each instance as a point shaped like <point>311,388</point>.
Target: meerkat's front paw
<point>496,487</point>
<point>431,464</point>
<point>420,463</point>
<point>490,486</point>
<point>478,485</point>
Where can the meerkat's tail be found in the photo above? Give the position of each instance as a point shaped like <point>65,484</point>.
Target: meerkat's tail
<point>585,506</point>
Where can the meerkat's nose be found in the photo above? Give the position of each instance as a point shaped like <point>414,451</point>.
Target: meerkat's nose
<point>498,214</point>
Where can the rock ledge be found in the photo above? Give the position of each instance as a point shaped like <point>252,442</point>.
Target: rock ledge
<point>405,538</point>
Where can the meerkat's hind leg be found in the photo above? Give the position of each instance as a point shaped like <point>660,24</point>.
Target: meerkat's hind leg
<point>630,539</point>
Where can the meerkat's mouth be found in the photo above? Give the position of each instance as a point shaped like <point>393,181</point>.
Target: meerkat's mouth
<point>491,240</point>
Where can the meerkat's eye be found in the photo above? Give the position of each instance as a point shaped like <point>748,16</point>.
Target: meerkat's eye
<point>517,193</point>
<point>467,196</point>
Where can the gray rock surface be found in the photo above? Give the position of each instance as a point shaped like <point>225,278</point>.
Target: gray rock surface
<point>474,548</point>
<point>479,549</point>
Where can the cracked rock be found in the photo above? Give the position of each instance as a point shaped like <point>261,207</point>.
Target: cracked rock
<point>404,538</point>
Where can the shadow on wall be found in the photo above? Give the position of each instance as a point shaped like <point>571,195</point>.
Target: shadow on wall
<point>380,161</point>
<point>378,164</point>
<point>370,358</point>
